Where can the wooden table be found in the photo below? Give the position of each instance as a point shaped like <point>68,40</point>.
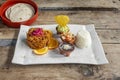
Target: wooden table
<point>103,13</point>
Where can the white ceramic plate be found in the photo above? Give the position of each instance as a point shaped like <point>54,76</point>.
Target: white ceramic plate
<point>92,55</point>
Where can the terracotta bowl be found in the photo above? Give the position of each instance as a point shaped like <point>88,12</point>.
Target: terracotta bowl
<point>66,52</point>
<point>8,4</point>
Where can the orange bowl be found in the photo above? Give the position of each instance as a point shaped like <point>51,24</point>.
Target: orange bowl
<point>10,3</point>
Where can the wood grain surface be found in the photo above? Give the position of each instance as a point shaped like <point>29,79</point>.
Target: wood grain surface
<point>104,14</point>
<point>101,19</point>
<point>61,71</point>
<point>76,3</point>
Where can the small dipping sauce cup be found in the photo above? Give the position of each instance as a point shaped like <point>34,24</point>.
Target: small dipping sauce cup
<point>66,48</point>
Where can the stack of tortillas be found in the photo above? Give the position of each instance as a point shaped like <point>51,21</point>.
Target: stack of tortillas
<point>19,12</point>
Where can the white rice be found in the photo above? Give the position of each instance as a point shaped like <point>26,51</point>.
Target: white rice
<point>83,39</point>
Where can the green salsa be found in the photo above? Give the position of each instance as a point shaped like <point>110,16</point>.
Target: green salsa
<point>62,29</point>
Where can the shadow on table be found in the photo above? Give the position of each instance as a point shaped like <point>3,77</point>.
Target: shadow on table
<point>11,45</point>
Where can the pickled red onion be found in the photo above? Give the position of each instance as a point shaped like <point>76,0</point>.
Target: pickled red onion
<point>38,31</point>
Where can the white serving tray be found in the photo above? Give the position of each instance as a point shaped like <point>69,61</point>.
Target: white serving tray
<point>92,55</point>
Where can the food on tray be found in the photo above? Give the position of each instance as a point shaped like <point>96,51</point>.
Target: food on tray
<point>19,12</point>
<point>68,37</point>
<point>41,40</point>
<point>50,32</point>
<point>83,39</point>
<point>41,51</point>
<point>38,38</point>
<point>66,48</point>
<point>62,21</point>
<point>53,43</point>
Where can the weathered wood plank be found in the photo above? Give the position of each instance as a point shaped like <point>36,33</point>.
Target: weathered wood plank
<point>105,19</point>
<point>102,20</point>
<point>76,3</point>
<point>109,36</point>
<point>8,33</point>
<point>8,42</point>
<point>61,72</point>
<point>106,36</point>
